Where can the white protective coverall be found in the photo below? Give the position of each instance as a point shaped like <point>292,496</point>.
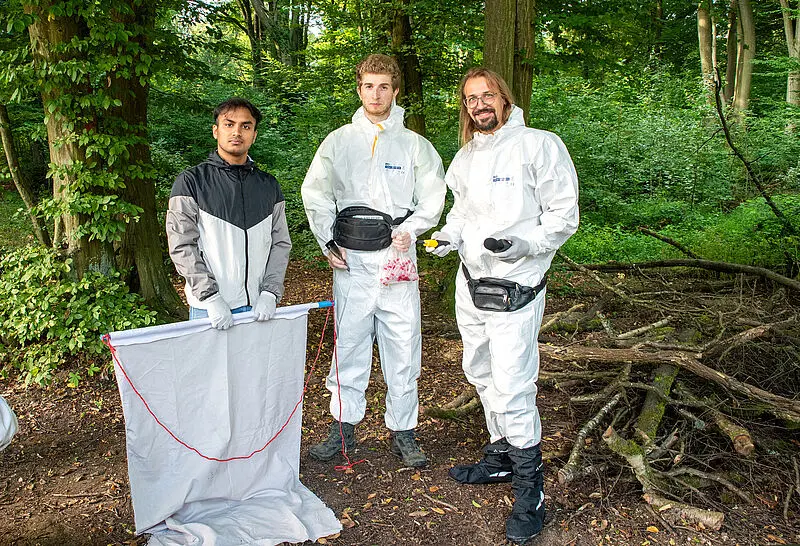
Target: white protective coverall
<point>516,182</point>
<point>392,169</point>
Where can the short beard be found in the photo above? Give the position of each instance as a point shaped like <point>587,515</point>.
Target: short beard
<point>489,125</point>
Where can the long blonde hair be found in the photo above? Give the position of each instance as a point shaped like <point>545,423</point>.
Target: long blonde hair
<point>466,124</point>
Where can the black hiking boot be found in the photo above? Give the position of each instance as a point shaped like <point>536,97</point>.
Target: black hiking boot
<point>332,445</point>
<point>405,446</point>
<point>495,467</point>
<point>527,515</point>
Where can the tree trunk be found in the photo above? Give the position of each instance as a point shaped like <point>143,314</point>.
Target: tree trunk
<point>658,26</point>
<point>524,50</point>
<point>498,45</point>
<point>141,245</point>
<point>791,28</point>
<point>410,96</point>
<point>731,50</point>
<point>705,36</point>
<point>20,181</point>
<point>746,54</point>
<point>508,47</point>
<point>49,34</point>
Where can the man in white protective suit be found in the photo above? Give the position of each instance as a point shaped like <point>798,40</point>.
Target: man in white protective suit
<point>516,203</point>
<point>372,188</point>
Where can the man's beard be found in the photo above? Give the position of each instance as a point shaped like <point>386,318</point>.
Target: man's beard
<point>489,124</point>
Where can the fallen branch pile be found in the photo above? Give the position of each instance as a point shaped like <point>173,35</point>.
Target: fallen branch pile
<point>678,381</point>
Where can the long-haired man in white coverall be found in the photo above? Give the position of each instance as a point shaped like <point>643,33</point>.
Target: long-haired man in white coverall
<point>371,190</point>
<point>516,203</point>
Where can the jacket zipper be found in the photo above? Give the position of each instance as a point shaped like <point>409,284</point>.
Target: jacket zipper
<point>246,245</point>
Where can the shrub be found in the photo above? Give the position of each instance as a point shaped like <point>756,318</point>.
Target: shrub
<point>46,317</point>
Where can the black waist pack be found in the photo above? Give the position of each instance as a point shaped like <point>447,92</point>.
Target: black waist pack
<point>363,228</point>
<point>493,294</point>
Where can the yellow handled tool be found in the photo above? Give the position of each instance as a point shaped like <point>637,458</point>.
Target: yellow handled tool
<point>433,243</point>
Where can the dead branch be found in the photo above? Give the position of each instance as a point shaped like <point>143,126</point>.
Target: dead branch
<point>455,412</point>
<point>669,241</point>
<point>567,473</point>
<point>723,267</point>
<point>788,228</point>
<point>623,376</point>
<point>597,279</point>
<point>740,436</point>
<point>684,470</point>
<point>709,518</point>
<point>644,329</point>
<point>780,406</point>
<point>557,316</point>
<point>763,330</point>
<point>654,404</point>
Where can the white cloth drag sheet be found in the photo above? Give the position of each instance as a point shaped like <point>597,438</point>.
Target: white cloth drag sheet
<point>8,424</point>
<point>225,394</point>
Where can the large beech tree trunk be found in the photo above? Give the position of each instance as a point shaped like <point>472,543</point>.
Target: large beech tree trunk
<point>141,245</point>
<point>48,34</point>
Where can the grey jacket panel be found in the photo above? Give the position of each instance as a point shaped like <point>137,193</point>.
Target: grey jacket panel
<point>221,228</point>
<point>279,254</point>
<point>183,236</point>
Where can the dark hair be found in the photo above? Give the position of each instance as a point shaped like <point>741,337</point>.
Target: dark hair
<point>237,102</point>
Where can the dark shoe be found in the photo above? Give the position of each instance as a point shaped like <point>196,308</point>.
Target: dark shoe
<point>495,467</point>
<point>527,515</point>
<point>405,446</point>
<point>332,446</point>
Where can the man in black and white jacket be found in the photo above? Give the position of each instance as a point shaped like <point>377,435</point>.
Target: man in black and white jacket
<point>226,225</point>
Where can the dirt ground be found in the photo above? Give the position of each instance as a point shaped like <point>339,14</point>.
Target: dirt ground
<point>63,481</point>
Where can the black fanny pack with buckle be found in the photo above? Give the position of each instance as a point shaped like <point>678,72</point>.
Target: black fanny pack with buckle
<point>363,228</point>
<point>493,294</point>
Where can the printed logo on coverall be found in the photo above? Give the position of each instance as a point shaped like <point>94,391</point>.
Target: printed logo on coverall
<point>392,168</point>
<point>496,178</point>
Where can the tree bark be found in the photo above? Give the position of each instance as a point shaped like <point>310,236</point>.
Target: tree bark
<point>746,54</point>
<point>705,36</point>
<point>791,28</point>
<point>524,52</point>
<point>49,35</point>
<point>410,96</point>
<point>509,43</point>
<point>21,183</point>
<point>141,241</point>
<point>499,38</point>
<point>731,50</point>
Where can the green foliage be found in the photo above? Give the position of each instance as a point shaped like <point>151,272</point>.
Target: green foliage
<point>47,318</point>
<point>15,228</point>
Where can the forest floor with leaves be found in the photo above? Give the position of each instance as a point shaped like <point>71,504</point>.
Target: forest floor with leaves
<point>63,480</point>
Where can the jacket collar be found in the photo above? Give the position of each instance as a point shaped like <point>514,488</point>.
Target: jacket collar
<point>217,161</point>
<point>515,120</point>
<point>393,122</point>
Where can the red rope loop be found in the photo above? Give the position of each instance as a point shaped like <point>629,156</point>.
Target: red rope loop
<point>107,341</point>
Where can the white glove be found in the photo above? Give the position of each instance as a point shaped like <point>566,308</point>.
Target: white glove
<point>518,249</point>
<point>441,250</point>
<point>219,312</point>
<point>264,309</point>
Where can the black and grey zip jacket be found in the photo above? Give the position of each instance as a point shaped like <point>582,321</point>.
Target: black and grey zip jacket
<point>227,232</point>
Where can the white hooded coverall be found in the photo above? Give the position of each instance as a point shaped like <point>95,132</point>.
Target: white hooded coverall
<point>391,169</point>
<point>516,182</point>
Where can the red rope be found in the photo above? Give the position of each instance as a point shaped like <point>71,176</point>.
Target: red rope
<point>350,464</point>
<point>107,340</point>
